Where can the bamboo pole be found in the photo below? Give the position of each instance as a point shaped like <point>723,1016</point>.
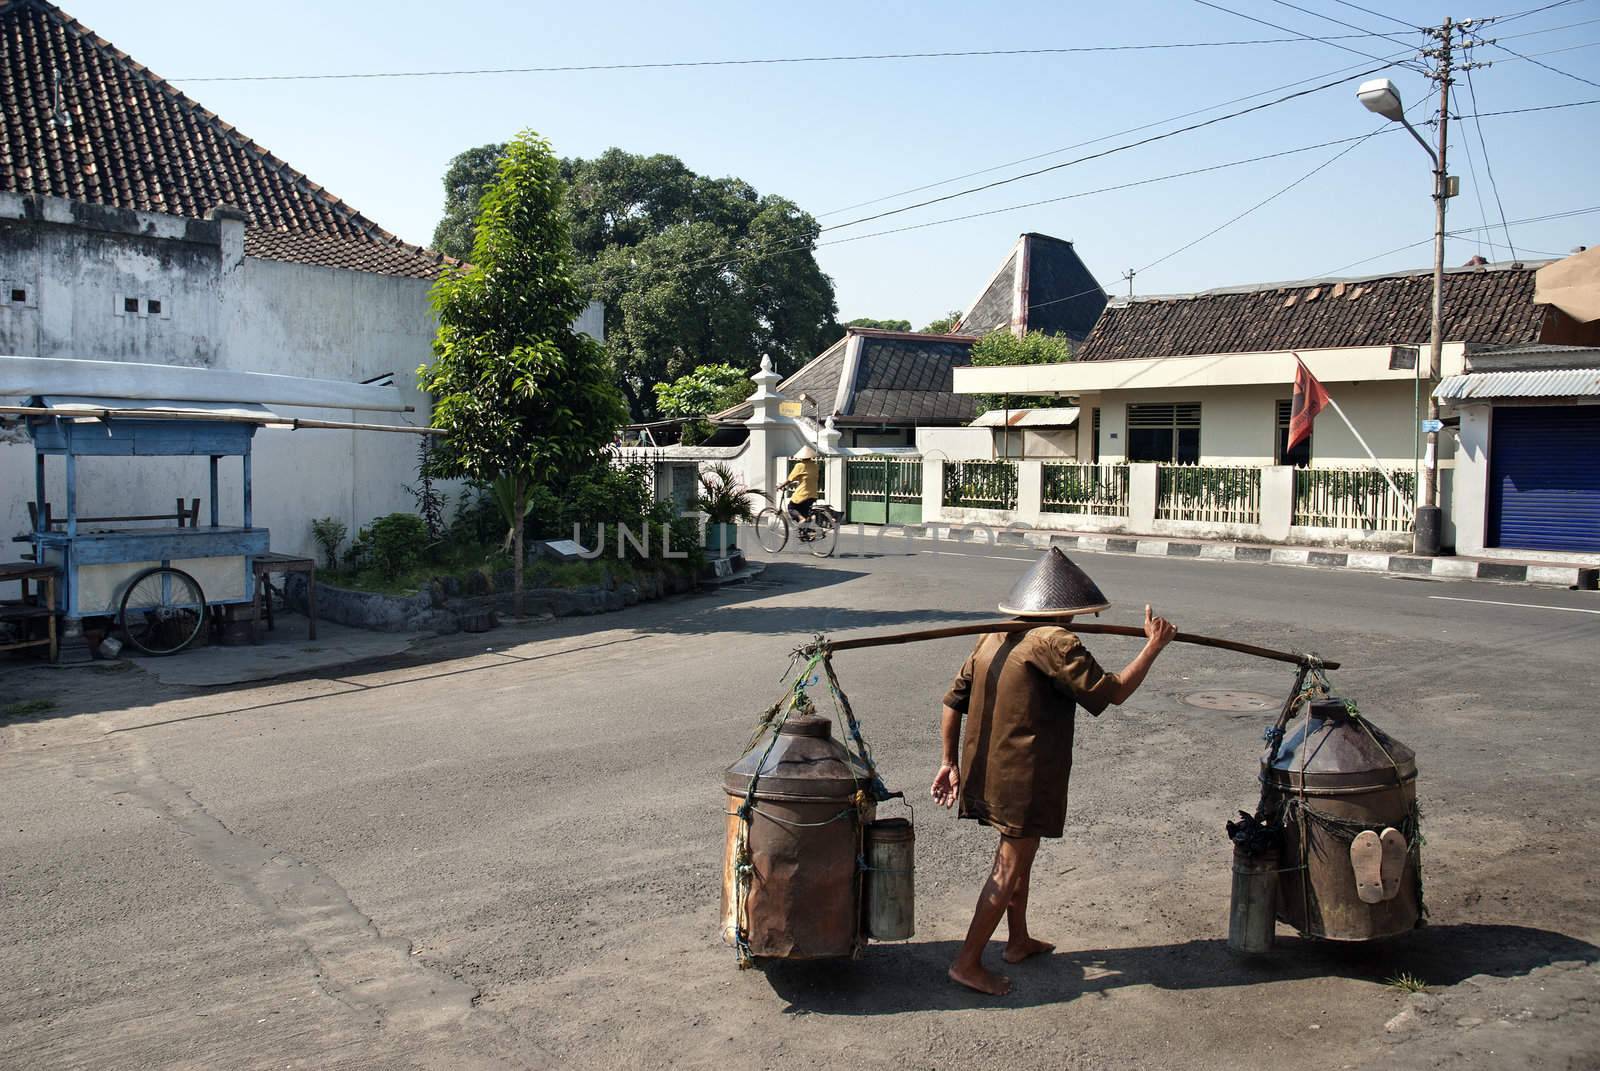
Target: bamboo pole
<point>295,423</point>
<point>1087,628</point>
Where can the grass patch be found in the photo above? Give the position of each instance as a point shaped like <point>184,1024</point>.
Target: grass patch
<point>1407,983</point>
<point>27,708</point>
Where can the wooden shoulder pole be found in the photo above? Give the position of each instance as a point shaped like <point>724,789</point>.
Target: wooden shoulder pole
<point>1086,628</point>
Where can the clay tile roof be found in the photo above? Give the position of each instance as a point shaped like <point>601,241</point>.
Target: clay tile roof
<point>901,377</point>
<point>134,141</point>
<point>1490,305</point>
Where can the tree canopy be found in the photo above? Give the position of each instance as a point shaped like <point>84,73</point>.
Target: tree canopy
<point>525,399</point>
<point>1001,347</point>
<point>693,270</point>
<point>944,324</point>
<point>879,325</point>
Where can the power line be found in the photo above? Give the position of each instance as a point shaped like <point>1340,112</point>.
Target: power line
<point>1283,29</point>
<point>1546,66</point>
<point>1265,201</point>
<point>1477,193</point>
<point>1503,19</point>
<point>1523,111</point>
<point>1487,165</point>
<point>1548,29</point>
<point>1103,189</point>
<point>1106,152</point>
<point>1457,233</point>
<point>1337,22</point>
<point>766,60</point>
<point>1379,14</point>
<point>1091,141</point>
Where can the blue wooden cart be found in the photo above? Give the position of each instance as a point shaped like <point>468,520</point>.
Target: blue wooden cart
<point>157,582</point>
<point>161,583</point>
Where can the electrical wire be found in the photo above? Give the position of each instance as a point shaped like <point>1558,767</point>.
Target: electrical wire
<point>1285,29</point>
<point>1105,152</point>
<point>1477,192</point>
<point>1457,233</point>
<point>1092,141</point>
<point>1503,19</point>
<point>767,60</point>
<point>1379,14</point>
<point>1339,22</point>
<point>1488,166</point>
<point>1523,111</point>
<point>1109,189</point>
<point>1546,66</point>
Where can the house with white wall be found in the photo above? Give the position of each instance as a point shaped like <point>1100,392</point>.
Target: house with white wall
<point>1203,382</point>
<point>136,225</point>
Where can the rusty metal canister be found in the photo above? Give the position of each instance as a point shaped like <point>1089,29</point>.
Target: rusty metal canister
<point>1335,774</point>
<point>800,897</point>
<point>1253,910</point>
<point>890,907</point>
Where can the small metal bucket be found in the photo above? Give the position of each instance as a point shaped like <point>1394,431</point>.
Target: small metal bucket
<point>889,905</point>
<point>1253,914</point>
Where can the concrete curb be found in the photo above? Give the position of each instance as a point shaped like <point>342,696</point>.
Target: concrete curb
<point>1538,574</point>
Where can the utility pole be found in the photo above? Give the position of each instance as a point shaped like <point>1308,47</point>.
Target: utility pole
<point>1443,53</point>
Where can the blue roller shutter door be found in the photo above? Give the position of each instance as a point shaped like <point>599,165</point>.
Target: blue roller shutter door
<point>1545,478</point>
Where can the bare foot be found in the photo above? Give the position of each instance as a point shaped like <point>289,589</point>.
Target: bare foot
<point>996,985</point>
<point>1028,947</point>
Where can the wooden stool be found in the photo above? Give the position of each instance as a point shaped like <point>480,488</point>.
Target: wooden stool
<point>262,565</point>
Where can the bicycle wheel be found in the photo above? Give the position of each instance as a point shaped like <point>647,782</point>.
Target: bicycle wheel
<point>824,533</point>
<point>162,611</point>
<point>772,530</point>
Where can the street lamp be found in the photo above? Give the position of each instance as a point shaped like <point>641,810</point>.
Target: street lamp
<point>1381,96</point>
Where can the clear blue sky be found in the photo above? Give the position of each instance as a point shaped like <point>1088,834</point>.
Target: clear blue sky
<point>829,135</point>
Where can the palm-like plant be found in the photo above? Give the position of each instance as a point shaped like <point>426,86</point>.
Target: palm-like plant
<point>723,497</point>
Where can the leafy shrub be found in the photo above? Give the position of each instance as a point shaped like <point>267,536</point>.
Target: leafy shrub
<point>329,532</point>
<point>392,544</point>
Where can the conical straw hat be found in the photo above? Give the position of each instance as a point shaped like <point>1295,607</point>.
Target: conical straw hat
<point>1054,587</point>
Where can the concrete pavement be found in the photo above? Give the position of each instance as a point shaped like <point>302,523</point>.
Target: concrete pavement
<point>504,850</point>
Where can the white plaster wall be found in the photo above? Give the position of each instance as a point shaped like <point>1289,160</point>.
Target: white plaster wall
<point>1238,425</point>
<point>956,444</point>
<point>219,311</point>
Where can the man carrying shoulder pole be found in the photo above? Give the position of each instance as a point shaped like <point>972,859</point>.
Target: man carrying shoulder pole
<point>1018,694</point>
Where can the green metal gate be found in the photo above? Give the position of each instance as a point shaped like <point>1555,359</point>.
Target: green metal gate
<point>883,490</point>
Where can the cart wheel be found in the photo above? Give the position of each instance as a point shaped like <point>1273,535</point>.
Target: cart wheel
<point>162,611</point>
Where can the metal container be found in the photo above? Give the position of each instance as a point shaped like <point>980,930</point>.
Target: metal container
<point>800,896</point>
<point>890,908</point>
<point>1252,913</point>
<point>1334,775</point>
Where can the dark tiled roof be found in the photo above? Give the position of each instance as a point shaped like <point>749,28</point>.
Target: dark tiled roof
<point>137,142</point>
<point>909,379</point>
<point>1492,306</point>
<point>1063,296</point>
<point>900,378</point>
<point>993,307</point>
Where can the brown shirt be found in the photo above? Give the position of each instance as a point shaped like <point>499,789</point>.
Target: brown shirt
<point>1019,693</point>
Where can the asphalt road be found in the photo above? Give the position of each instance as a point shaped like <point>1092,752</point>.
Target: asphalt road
<point>504,850</point>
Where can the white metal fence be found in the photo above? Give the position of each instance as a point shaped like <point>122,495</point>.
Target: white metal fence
<point>1353,499</point>
<point>1214,493</point>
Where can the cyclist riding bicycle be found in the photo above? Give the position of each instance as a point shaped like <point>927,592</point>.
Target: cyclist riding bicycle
<point>803,479</point>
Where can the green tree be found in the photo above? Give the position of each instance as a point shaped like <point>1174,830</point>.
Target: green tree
<point>523,396</point>
<point>1001,347</point>
<point>944,324</point>
<point>691,269</point>
<point>710,388</point>
<point>879,325</point>
<point>468,175</point>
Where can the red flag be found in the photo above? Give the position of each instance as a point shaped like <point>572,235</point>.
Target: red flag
<point>1309,400</point>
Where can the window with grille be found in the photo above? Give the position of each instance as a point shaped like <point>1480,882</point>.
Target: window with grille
<point>1094,438</point>
<point>1167,433</point>
<point>1300,456</point>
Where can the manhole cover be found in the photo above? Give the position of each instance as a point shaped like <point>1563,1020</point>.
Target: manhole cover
<point>1224,700</point>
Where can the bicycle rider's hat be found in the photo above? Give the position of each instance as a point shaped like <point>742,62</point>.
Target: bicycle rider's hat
<point>1054,587</point>
<point>805,454</point>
